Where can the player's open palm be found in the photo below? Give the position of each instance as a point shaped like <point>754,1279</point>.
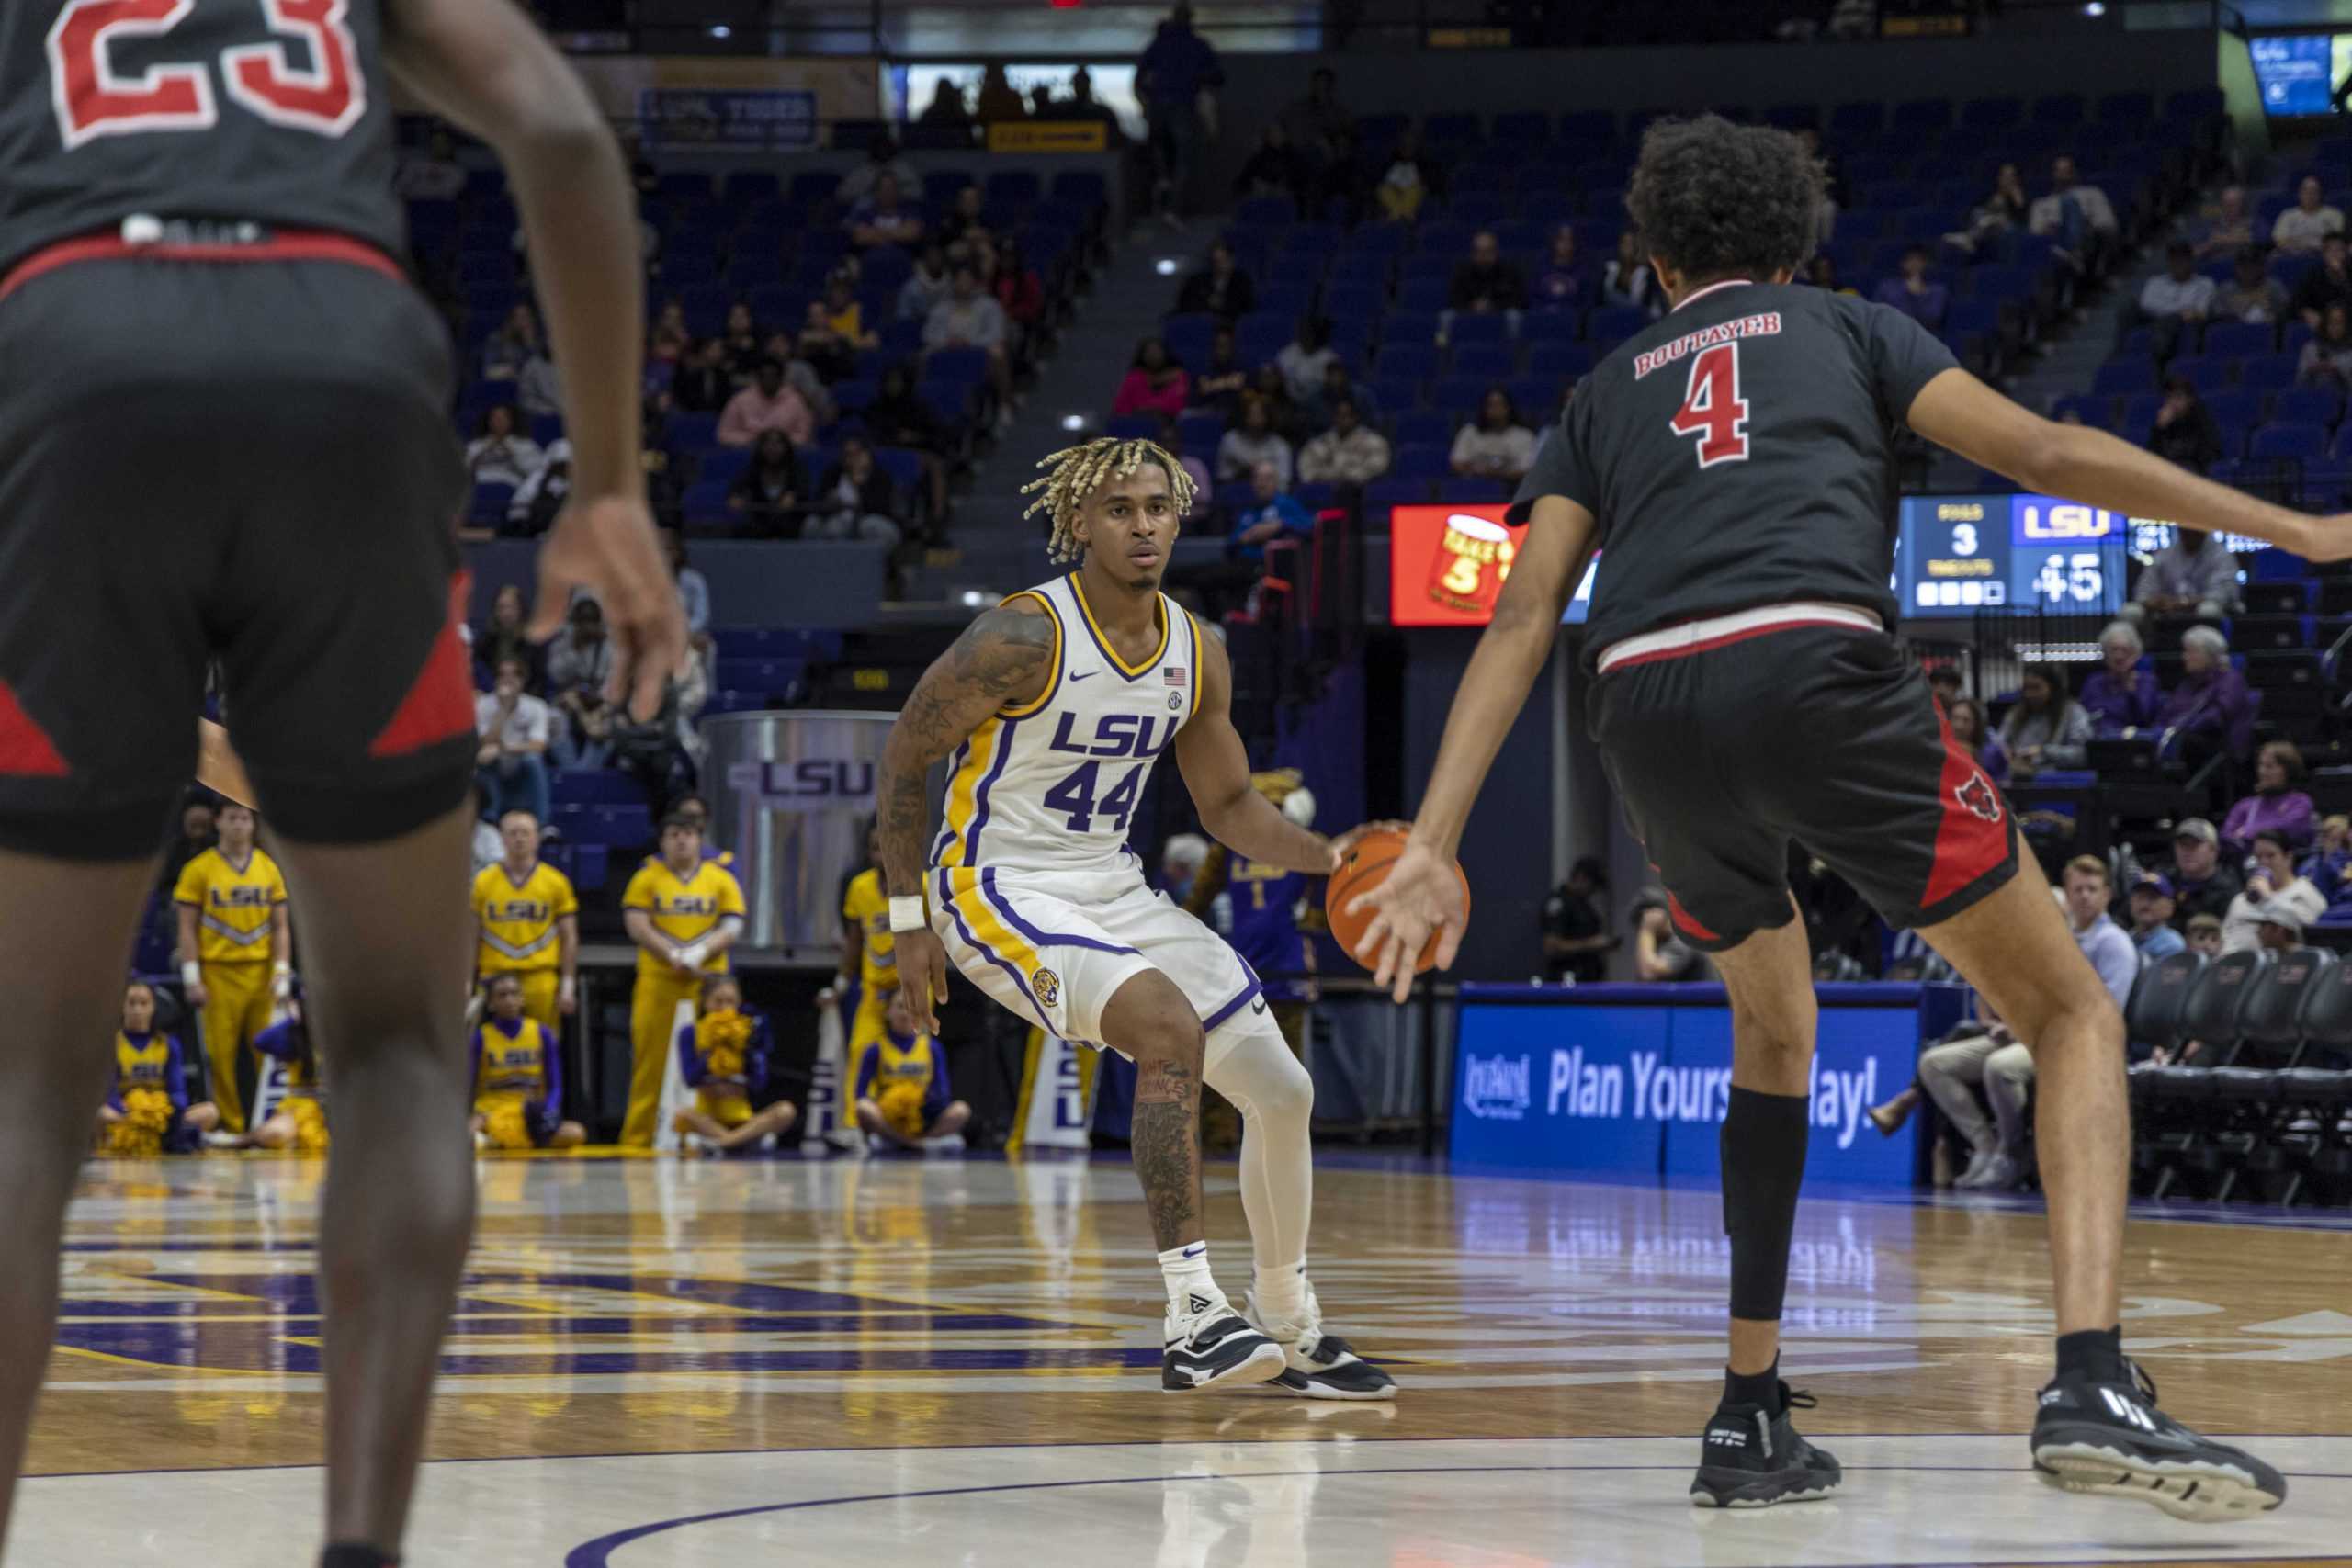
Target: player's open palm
<point>607,546</point>
<point>1421,897</point>
<point>922,975</point>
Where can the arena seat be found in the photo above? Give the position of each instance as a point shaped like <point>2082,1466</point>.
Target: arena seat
<point>2152,1014</point>
<point>2271,1031</point>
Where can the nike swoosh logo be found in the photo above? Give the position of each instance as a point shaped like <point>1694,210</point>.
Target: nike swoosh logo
<point>1075,677</point>
<point>1258,1006</point>
<point>1196,1251</point>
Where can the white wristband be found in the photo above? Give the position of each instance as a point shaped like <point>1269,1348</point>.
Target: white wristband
<point>191,973</point>
<point>906,915</point>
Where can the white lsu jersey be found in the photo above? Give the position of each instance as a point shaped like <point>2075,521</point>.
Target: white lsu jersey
<point>1051,785</point>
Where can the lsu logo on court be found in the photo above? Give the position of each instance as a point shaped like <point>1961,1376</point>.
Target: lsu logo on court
<point>1495,1087</point>
<point>1980,797</point>
<point>1047,984</point>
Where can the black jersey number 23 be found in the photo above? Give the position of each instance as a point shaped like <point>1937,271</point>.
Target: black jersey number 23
<point>325,93</point>
<point>1713,409</point>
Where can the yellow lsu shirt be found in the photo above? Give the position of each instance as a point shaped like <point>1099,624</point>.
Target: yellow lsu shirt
<point>513,1064</point>
<point>518,920</point>
<point>867,907</point>
<point>142,1063</point>
<point>683,911</point>
<point>233,905</point>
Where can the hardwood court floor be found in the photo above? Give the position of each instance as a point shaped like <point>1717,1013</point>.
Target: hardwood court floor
<point>887,1363</point>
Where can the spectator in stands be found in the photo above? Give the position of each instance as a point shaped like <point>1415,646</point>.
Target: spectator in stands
<point>2252,294</point>
<point>701,384</point>
<point>1576,939</point>
<point>1275,169</point>
<point>434,174</point>
<point>1564,282</point>
<point>1966,716</point>
<point>2204,935</point>
<point>1154,383</point>
<point>2004,208</point>
<point>767,494</point>
<point>2331,857</point>
<point>1304,360</point>
<point>964,222</point>
<point>769,404</point>
<point>1833,183</point>
<point>2224,229</point>
<point>1272,514</point>
<point>1270,385</point>
<point>1019,289</point>
<point>947,106</point>
<point>515,343</point>
<point>2302,227</point>
<point>2003,1065</point>
<point>2047,728</point>
<point>856,500</point>
<point>1318,121</point>
<point>2329,283</point>
<point>1495,445</point>
<point>1221,288</point>
<point>898,417</point>
<point>1483,284</point>
<point>1253,441</point>
<point>2175,302</point>
<point>537,500</point>
<point>1407,180</point>
<point>511,766</point>
<point>2202,883</point>
<point>669,342</point>
<point>502,455</point>
<point>1821,272</point>
<point>2152,913</point>
<point>694,589</point>
<point>2271,886</point>
<point>2211,711</point>
<point>2120,697</point>
<point>1172,441</point>
<point>1944,681</point>
<point>2078,217</point>
<point>1082,105</point>
<point>1913,293</point>
<point>1176,76</point>
<point>926,285</point>
<point>1349,454</point>
<point>2185,431</point>
<point>1222,381</point>
<point>2278,803</point>
<point>744,347</point>
<point>1628,282</point>
<point>845,315</point>
<point>2327,359</point>
<point>1339,383</point>
<point>999,98</point>
<point>503,636</point>
<point>883,159</point>
<point>1343,185</point>
<point>2194,575</point>
<point>580,665</point>
<point>884,217</point>
<point>663,754</point>
<point>821,347</point>
<point>1661,955</point>
<point>969,319</point>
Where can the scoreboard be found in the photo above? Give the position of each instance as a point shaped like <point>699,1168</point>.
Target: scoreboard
<point>1959,554</point>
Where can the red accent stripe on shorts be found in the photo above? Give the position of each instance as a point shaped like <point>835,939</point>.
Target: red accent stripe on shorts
<point>1688,922</point>
<point>26,749</point>
<point>1721,631</point>
<point>441,703</point>
<point>1972,835</point>
<point>300,245</point>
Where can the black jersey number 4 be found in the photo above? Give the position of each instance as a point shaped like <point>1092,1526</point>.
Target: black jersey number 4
<point>1713,409</point>
<point>92,99</point>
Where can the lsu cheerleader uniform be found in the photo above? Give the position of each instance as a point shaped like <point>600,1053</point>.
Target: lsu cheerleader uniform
<point>683,911</point>
<point>723,1058</point>
<point>234,908</point>
<point>288,1041</point>
<point>150,1091</point>
<point>521,924</point>
<point>518,1081</point>
<point>906,1077</point>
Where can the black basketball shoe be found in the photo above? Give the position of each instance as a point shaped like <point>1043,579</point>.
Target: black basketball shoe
<point>2109,1440</point>
<point>1749,1458</point>
<point>1210,1344</point>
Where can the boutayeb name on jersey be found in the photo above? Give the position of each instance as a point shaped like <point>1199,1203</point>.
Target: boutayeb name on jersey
<point>1763,324</point>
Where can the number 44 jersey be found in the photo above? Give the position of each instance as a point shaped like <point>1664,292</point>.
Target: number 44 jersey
<point>1053,784</point>
<point>273,113</point>
<point>1740,452</point>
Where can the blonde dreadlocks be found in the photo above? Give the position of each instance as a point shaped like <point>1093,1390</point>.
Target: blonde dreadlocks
<point>1079,471</point>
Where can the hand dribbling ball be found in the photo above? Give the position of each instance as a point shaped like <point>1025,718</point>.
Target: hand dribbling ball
<point>1365,868</point>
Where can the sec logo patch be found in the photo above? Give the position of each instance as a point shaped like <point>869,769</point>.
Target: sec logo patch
<point>1047,984</point>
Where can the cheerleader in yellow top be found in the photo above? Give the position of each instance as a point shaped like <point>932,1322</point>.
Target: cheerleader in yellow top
<point>902,1095</point>
<point>147,1111</point>
<point>299,1122</point>
<point>526,922</point>
<point>683,913</point>
<point>723,1055</point>
<point>518,1077</point>
<point>235,950</point>
<point>869,952</point>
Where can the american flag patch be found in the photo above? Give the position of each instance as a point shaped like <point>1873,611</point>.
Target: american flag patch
<point>1174,673</point>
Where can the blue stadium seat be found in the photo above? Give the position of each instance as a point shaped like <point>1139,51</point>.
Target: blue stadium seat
<point>2207,375</point>
<point>1397,393</point>
<point>1417,461</point>
<point>1423,427</point>
<point>1430,294</point>
<point>1287,300</point>
<point>705,501</point>
<point>1351,303</point>
<point>2308,405</point>
<point>777,677</point>
<point>1524,131</point>
<point>2059,108</point>
<point>1488,361</point>
<point>1199,430</point>
<point>1132,426</point>
<point>594,787</point>
<point>1459,395</point>
<point>1923,114</point>
<point>2126,108</point>
<point>1565,360</point>
<point>2121,376</point>
<point>1418,360</point>
<point>1857,119</point>
<point>1387,491</point>
<point>1589,125</point>
<point>2288,440</point>
<point>2096,412</point>
<point>1471,327</point>
<point>2237,340</point>
<point>1188,339</point>
<point>2273,373</point>
<point>724,464</point>
<point>2237,406</point>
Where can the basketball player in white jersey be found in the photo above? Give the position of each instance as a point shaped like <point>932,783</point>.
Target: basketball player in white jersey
<point>1056,704</point>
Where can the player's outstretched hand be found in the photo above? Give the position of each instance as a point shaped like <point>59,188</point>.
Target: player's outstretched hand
<point>922,975</point>
<point>1347,841</point>
<point>1420,894</point>
<point>608,548</point>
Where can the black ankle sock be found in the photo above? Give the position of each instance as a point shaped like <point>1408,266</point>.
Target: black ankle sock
<point>1755,1388</point>
<point>352,1555</point>
<point>2094,1353</point>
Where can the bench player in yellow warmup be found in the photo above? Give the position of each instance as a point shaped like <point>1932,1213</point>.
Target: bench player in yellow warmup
<point>518,1077</point>
<point>683,913</point>
<point>723,1056</point>
<point>526,922</point>
<point>235,950</point>
<point>869,952</point>
<point>147,1111</point>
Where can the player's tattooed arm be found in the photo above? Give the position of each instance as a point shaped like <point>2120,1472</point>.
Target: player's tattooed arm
<point>1003,659</point>
<point>1166,1145</point>
<point>1216,766</point>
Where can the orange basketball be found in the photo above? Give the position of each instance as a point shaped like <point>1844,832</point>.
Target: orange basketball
<point>1365,868</point>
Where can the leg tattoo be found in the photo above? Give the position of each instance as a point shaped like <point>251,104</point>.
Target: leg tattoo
<point>1166,1134</point>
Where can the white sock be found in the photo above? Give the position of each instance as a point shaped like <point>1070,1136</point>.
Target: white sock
<point>1186,1270</point>
<point>1281,1293</point>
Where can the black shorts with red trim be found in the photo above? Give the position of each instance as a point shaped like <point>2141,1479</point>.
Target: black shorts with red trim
<point>239,455</point>
<point>1828,736</point>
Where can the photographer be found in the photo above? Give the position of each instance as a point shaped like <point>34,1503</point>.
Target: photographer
<point>580,663</point>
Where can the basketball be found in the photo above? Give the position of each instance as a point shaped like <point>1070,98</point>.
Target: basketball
<point>1365,868</point>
